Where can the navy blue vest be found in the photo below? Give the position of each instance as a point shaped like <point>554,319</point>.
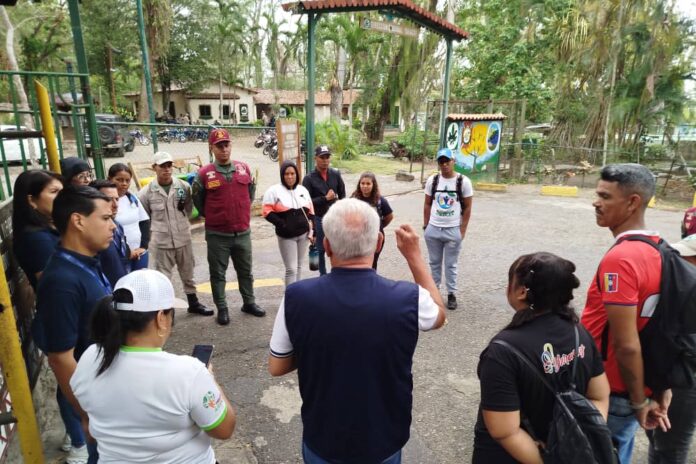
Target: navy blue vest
<point>354,334</point>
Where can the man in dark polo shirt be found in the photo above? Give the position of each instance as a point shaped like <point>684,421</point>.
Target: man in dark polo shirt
<point>351,335</point>
<point>222,192</point>
<point>325,186</point>
<point>68,290</point>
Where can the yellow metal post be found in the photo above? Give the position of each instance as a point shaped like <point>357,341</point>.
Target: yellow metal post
<point>15,372</point>
<point>47,127</point>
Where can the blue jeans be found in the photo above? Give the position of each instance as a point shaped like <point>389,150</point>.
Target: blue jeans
<point>311,458</point>
<point>71,419</point>
<point>444,244</point>
<point>672,447</point>
<point>623,425</point>
<point>319,244</point>
<point>73,426</point>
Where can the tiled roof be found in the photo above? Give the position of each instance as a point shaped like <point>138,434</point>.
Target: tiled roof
<point>476,117</point>
<point>405,8</point>
<point>298,97</point>
<point>213,96</point>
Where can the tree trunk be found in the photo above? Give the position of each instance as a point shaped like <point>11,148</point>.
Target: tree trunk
<point>336,86</point>
<point>19,85</point>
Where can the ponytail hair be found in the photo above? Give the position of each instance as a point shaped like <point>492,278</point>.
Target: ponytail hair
<point>550,281</point>
<point>110,327</point>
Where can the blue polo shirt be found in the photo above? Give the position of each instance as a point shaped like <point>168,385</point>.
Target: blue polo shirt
<point>33,248</point>
<point>67,293</point>
<point>115,260</point>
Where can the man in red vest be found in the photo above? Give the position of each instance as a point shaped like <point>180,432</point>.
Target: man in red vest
<point>222,192</point>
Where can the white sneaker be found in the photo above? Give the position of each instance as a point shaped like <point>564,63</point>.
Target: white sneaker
<point>67,443</point>
<point>77,455</point>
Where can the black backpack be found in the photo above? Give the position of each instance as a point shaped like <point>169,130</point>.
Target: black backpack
<point>460,198</point>
<point>578,433</point>
<point>668,340</point>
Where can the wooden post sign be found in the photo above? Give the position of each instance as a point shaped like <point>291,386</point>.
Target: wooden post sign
<point>288,133</point>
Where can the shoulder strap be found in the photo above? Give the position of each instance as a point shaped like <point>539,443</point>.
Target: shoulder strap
<point>460,198</point>
<point>641,238</point>
<point>526,361</point>
<point>534,369</point>
<point>575,359</point>
<point>433,188</point>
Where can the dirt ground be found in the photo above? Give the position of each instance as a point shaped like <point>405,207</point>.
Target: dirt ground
<point>446,391</point>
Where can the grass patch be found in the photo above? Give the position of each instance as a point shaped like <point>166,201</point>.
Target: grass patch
<point>376,164</point>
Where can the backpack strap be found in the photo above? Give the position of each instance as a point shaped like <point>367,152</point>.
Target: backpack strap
<point>460,198</point>
<point>433,188</point>
<point>534,369</point>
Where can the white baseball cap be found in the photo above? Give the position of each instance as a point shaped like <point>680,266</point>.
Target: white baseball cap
<point>687,246</point>
<point>162,157</point>
<point>150,291</point>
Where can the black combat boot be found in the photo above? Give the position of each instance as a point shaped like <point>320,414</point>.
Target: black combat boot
<point>196,307</point>
<point>223,316</point>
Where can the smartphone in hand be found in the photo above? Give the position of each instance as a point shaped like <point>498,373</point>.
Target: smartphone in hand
<point>203,353</point>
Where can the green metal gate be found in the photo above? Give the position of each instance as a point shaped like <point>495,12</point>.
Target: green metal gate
<point>20,124</point>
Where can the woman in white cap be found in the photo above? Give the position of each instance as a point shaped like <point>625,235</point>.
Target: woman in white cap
<point>142,403</point>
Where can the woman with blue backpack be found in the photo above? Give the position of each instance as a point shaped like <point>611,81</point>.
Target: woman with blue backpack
<point>541,357</point>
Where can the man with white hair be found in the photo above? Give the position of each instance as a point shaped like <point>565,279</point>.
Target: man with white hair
<point>351,335</point>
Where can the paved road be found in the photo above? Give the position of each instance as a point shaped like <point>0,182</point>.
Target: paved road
<point>503,226</point>
<point>446,395</point>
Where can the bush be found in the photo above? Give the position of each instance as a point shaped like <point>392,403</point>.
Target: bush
<point>413,138</point>
<point>655,152</point>
<point>343,141</point>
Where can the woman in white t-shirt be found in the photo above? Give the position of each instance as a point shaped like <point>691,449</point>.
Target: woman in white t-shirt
<point>142,403</point>
<point>132,216</point>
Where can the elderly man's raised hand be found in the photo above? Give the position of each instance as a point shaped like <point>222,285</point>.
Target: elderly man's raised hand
<point>408,242</point>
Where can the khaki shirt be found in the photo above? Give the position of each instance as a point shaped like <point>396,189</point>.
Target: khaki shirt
<point>169,227</point>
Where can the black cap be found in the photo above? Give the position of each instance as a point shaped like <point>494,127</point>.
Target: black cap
<point>322,150</point>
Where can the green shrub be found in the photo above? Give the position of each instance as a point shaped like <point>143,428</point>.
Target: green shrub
<point>343,141</point>
<point>413,138</point>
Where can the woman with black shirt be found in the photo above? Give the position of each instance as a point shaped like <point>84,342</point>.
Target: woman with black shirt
<point>540,287</point>
<point>368,191</point>
<point>35,238</point>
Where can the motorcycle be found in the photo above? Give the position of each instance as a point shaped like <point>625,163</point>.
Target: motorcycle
<point>271,148</point>
<point>138,135</point>
<point>163,136</point>
<point>264,138</point>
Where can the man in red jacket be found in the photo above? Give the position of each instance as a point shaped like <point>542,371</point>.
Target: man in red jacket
<point>222,192</point>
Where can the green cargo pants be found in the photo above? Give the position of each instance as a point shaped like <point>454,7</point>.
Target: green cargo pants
<point>222,247</point>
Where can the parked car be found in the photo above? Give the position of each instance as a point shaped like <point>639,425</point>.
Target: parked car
<point>13,153</point>
<point>115,139</point>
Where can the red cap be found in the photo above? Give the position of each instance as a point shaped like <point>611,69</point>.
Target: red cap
<point>218,135</point>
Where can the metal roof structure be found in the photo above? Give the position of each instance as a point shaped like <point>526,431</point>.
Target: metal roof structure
<point>405,9</point>
<point>402,8</point>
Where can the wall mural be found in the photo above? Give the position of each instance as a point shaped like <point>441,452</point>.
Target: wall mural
<point>476,144</point>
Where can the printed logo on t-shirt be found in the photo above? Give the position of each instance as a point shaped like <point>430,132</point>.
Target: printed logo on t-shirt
<point>445,203</point>
<point>210,401</point>
<point>611,282</point>
<point>552,363</point>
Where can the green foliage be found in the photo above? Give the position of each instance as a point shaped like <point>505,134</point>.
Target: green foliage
<point>510,53</point>
<point>413,139</point>
<point>343,141</point>
<point>655,152</point>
